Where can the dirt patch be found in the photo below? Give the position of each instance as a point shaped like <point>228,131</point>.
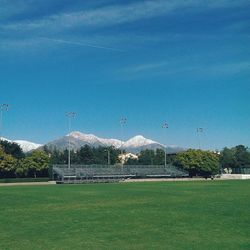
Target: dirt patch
<point>27,184</point>
<point>165,179</point>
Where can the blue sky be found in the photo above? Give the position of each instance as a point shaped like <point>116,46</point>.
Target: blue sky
<point>184,62</point>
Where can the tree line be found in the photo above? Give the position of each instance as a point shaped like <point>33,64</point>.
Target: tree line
<point>85,155</point>
<point>235,160</point>
<point>14,163</point>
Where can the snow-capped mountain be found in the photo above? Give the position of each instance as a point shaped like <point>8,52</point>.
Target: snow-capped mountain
<point>92,139</point>
<point>26,146</point>
<point>5,139</point>
<point>133,145</point>
<point>138,141</point>
<point>77,140</point>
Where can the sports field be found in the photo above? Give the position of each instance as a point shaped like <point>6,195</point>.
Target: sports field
<point>162,215</point>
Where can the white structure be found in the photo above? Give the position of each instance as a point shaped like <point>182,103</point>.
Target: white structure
<point>124,157</point>
<point>235,176</point>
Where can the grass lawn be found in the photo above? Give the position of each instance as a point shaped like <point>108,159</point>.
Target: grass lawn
<point>157,215</point>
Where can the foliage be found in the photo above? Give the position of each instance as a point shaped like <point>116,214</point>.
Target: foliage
<point>13,163</point>
<point>7,164</point>
<point>146,157</point>
<point>236,157</point>
<point>85,155</point>
<point>198,162</point>
<point>35,164</point>
<point>32,165</point>
<point>151,157</point>
<point>227,158</point>
<point>12,149</point>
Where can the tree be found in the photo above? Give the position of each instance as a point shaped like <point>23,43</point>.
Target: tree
<point>151,157</point>
<point>227,158</point>
<point>114,154</point>
<point>159,158</point>
<point>35,164</point>
<point>7,164</point>
<point>235,158</point>
<point>12,148</point>
<point>145,157</point>
<point>242,157</point>
<point>198,162</point>
<point>85,155</point>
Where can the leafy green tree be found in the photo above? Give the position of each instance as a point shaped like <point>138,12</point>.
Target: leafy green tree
<point>114,155</point>
<point>227,158</point>
<point>242,156</point>
<point>55,156</point>
<point>12,148</point>
<point>198,162</point>
<point>235,158</point>
<point>7,164</point>
<point>37,163</point>
<point>151,157</point>
<point>159,157</point>
<point>85,155</point>
<point>146,157</point>
<point>100,155</point>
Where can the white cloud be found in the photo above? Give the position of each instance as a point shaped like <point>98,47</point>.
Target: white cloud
<point>117,14</point>
<point>24,33</point>
<point>99,17</point>
<point>80,43</point>
<point>176,67</point>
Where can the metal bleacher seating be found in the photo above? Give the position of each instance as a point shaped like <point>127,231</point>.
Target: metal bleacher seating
<point>111,173</point>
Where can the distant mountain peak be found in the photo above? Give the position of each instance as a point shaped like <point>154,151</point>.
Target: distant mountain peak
<point>74,133</point>
<point>92,139</point>
<point>26,146</point>
<point>79,139</point>
<point>78,134</point>
<point>134,144</point>
<point>138,141</point>
<point>81,136</point>
<point>4,139</point>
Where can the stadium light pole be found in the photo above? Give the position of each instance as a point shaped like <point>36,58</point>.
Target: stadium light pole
<point>165,126</point>
<point>199,131</point>
<point>123,121</point>
<point>70,115</point>
<point>3,108</point>
<point>108,157</point>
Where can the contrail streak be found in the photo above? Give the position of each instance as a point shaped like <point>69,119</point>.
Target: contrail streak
<point>81,44</point>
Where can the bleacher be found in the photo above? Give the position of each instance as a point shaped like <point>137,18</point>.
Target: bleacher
<point>113,173</point>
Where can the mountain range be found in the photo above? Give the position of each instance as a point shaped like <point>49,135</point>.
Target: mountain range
<point>26,146</point>
<point>78,139</point>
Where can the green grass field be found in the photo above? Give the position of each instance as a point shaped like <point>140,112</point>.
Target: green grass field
<point>162,215</point>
